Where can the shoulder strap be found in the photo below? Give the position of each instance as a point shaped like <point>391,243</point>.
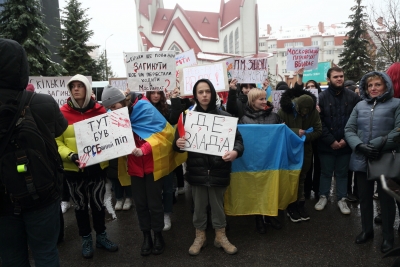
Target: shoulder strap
<point>14,122</point>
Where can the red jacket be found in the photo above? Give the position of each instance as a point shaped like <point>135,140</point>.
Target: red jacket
<point>139,166</point>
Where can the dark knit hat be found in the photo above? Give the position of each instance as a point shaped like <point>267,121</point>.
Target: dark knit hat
<point>281,83</point>
<point>111,95</point>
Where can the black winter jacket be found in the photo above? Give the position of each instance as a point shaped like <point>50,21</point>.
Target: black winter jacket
<point>236,104</point>
<point>260,117</point>
<point>336,107</point>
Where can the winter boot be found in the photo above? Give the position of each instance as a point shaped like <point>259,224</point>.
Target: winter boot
<point>292,213</point>
<point>147,245</point>
<point>87,246</point>
<point>103,242</point>
<point>260,225</point>
<point>222,241</point>
<point>199,242</point>
<point>159,244</point>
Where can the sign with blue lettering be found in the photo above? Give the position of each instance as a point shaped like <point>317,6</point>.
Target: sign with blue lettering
<point>104,137</point>
<point>209,133</point>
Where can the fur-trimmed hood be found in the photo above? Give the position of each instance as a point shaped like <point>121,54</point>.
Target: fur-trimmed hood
<point>289,96</point>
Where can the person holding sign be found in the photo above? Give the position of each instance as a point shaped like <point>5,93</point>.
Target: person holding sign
<point>86,184</point>
<point>209,175</point>
<point>236,104</point>
<point>259,111</point>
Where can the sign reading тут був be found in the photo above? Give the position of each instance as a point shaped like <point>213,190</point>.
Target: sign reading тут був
<point>150,71</point>
<point>209,133</point>
<point>104,137</point>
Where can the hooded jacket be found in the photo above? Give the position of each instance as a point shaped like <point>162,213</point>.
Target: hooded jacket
<point>14,76</point>
<point>209,170</point>
<point>371,119</point>
<point>75,113</point>
<point>336,107</point>
<point>266,116</point>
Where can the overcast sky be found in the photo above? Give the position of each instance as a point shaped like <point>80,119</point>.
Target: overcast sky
<point>118,17</point>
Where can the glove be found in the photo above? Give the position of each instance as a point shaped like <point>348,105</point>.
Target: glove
<point>368,150</point>
<point>74,158</point>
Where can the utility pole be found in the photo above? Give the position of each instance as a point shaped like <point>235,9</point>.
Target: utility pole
<point>105,55</point>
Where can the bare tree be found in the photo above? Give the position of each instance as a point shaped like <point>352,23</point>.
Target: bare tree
<point>384,28</point>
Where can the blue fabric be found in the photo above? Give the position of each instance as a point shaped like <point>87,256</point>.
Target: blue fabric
<point>269,147</point>
<point>338,164</point>
<point>37,229</point>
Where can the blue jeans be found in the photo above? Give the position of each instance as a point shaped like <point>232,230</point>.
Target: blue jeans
<point>168,192</point>
<point>37,229</point>
<point>334,164</point>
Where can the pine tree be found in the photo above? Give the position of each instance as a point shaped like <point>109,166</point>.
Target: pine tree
<point>355,59</point>
<point>74,37</point>
<point>101,68</point>
<point>22,21</point>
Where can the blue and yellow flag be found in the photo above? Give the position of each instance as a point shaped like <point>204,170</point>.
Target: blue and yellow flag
<point>151,126</point>
<point>266,177</point>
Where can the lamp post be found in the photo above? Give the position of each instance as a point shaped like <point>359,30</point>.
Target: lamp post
<point>105,54</point>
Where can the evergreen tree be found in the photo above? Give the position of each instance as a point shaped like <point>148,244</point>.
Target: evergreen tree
<point>74,37</point>
<point>101,68</point>
<point>22,21</point>
<point>355,59</point>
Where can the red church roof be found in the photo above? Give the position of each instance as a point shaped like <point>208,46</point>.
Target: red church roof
<point>144,7</point>
<point>231,12</point>
<point>146,41</point>
<point>162,20</point>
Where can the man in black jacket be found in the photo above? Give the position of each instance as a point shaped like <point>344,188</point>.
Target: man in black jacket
<point>38,227</point>
<point>209,176</point>
<point>336,104</point>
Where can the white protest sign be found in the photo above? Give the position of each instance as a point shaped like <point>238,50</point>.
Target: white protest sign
<point>185,59</point>
<point>277,95</point>
<point>216,73</point>
<point>302,57</point>
<point>120,83</point>
<point>150,71</point>
<point>248,70</point>
<point>209,133</point>
<point>104,137</point>
<point>54,86</point>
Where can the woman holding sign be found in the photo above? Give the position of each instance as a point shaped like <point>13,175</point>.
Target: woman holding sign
<point>209,175</point>
<point>259,111</point>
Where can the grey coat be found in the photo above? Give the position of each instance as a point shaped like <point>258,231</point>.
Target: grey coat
<point>370,120</point>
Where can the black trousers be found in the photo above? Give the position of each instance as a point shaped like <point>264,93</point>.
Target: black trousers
<point>179,176</point>
<point>314,174</point>
<point>147,195</point>
<point>388,209</point>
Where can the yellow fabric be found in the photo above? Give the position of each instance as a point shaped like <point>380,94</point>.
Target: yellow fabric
<point>123,176</point>
<point>164,157</point>
<point>263,192</point>
<point>66,144</point>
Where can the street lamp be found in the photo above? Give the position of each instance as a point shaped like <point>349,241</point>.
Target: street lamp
<point>105,54</point>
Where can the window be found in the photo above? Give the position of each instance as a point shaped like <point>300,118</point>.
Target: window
<point>261,44</point>
<point>175,48</point>
<point>272,46</point>
<point>205,20</point>
<point>164,18</point>
<point>329,52</point>
<point>237,41</point>
<point>231,43</point>
<point>288,44</point>
<point>284,54</point>
<point>225,44</point>
<point>315,43</point>
<point>326,43</point>
<point>297,44</point>
<point>284,71</point>
<point>284,62</point>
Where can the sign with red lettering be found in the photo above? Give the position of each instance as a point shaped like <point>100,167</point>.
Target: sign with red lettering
<point>104,137</point>
<point>209,133</point>
<point>302,57</point>
<point>150,71</point>
<point>185,59</point>
<point>248,70</point>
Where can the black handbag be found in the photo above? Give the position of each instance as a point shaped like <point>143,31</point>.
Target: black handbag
<point>387,164</point>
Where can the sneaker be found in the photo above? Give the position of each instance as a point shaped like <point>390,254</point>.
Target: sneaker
<point>181,190</point>
<point>343,206</point>
<point>87,246</point>
<point>127,205</point>
<point>167,222</point>
<point>293,214</point>
<point>352,198</point>
<point>321,203</point>
<point>375,196</point>
<point>301,209</point>
<point>65,205</point>
<point>103,242</point>
<point>119,204</point>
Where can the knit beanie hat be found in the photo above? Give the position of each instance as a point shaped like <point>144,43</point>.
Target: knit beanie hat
<point>111,95</point>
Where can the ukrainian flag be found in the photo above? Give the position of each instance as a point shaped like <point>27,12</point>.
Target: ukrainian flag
<point>266,177</point>
<point>150,125</point>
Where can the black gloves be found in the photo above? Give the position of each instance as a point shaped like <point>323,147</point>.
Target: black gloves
<point>74,158</point>
<point>368,150</point>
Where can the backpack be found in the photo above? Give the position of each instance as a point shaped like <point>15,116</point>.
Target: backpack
<point>30,166</point>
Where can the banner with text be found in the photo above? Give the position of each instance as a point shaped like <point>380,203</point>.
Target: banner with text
<point>216,73</point>
<point>276,97</point>
<point>185,59</point>
<point>150,71</point>
<point>248,70</point>
<point>54,86</point>
<point>120,83</point>
<point>302,57</point>
<point>209,133</point>
<point>104,137</point>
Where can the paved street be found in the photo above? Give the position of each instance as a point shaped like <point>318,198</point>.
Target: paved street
<point>326,240</point>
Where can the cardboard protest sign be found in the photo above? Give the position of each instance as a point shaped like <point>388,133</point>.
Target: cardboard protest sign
<point>276,97</point>
<point>150,71</point>
<point>104,137</point>
<point>302,57</point>
<point>248,70</point>
<point>209,133</point>
<point>54,86</point>
<point>120,83</point>
<point>185,59</point>
<point>216,73</point>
